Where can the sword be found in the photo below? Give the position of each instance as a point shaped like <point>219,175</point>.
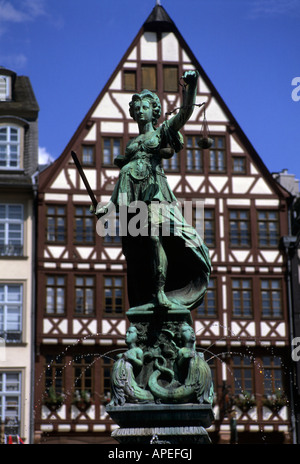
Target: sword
<point>84,179</point>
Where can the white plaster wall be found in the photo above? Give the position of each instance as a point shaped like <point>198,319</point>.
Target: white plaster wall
<point>149,46</point>
<point>170,47</point>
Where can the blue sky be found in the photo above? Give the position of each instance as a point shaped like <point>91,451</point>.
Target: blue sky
<point>248,48</point>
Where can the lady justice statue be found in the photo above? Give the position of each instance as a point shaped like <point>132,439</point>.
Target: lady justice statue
<point>166,271</point>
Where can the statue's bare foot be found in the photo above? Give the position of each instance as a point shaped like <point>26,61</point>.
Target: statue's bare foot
<point>160,301</point>
<point>144,307</point>
<point>164,302</point>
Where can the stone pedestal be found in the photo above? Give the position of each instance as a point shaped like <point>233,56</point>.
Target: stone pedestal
<point>161,387</point>
<point>182,424</point>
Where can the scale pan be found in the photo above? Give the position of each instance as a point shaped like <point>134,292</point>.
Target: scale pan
<point>205,142</point>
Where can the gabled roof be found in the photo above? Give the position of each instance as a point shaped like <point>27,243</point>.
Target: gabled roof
<point>160,21</point>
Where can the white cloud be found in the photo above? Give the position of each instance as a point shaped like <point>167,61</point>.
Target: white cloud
<point>30,10</point>
<point>9,13</point>
<point>13,61</point>
<point>44,156</point>
<point>274,8</point>
<point>18,12</point>
<point>35,8</point>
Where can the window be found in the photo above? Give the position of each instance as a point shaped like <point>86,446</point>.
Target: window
<point>56,224</point>
<point>88,155</point>
<point>197,217</point>
<point>170,78</point>
<point>193,154</point>
<point>10,402</point>
<point>239,165</point>
<point>9,147</point>
<point>149,77</point>
<point>106,365</point>
<point>130,80</point>
<point>241,298</point>
<point>209,305</point>
<point>239,228</point>
<point>4,88</point>
<point>83,373</point>
<point>11,298</point>
<point>243,375</point>
<point>271,299</point>
<point>113,232</point>
<point>111,149</point>
<point>171,164</point>
<point>11,230</point>
<point>217,155</point>
<point>55,295</point>
<point>209,227</point>
<point>84,295</point>
<point>273,378</point>
<point>54,369</point>
<point>204,223</point>
<point>268,228</point>
<point>84,225</point>
<point>113,295</point>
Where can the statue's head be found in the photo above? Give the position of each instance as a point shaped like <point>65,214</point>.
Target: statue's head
<point>152,98</point>
<point>135,334</point>
<point>131,335</point>
<point>187,333</point>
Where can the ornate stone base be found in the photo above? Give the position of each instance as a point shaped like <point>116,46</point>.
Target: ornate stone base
<point>162,435</point>
<point>173,424</point>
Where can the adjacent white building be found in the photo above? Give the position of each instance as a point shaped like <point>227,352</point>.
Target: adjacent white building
<point>18,166</point>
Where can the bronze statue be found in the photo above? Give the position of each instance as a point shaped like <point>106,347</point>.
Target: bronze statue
<point>166,372</point>
<point>165,271</point>
<point>190,379</point>
<point>128,365</point>
<point>168,270</point>
<point>168,265</point>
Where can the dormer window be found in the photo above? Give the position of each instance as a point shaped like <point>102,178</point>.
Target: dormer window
<point>9,147</point>
<point>5,88</point>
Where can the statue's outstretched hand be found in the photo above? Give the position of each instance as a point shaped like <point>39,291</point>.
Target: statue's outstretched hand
<point>100,211</point>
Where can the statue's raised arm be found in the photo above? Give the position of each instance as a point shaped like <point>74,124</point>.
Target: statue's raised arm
<point>190,79</point>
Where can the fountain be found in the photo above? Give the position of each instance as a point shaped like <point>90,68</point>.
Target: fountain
<point>161,386</point>
<point>232,411</point>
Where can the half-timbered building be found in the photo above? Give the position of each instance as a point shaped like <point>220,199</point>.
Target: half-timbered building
<point>242,326</point>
